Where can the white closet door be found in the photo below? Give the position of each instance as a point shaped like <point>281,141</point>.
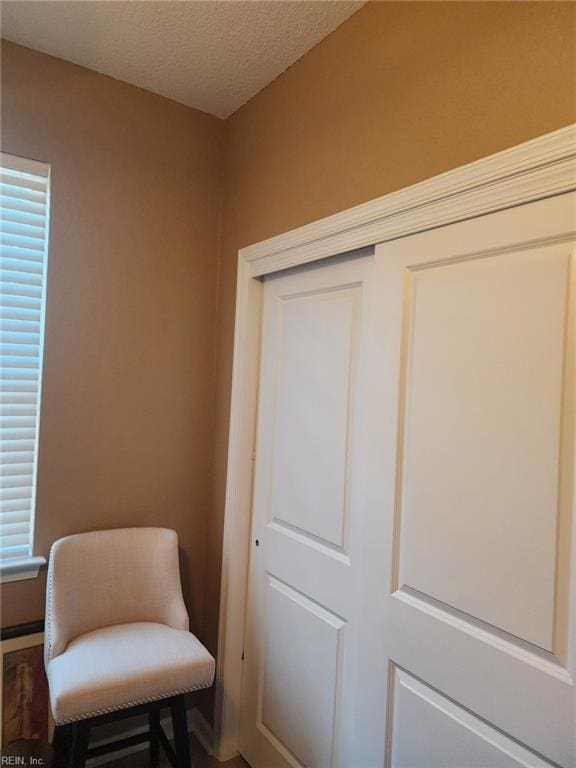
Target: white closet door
<point>478,459</point>
<point>305,635</point>
<point>412,587</point>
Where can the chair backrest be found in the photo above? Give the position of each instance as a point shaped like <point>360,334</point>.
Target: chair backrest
<point>103,578</point>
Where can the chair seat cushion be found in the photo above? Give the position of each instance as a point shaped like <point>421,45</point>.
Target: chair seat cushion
<point>125,665</point>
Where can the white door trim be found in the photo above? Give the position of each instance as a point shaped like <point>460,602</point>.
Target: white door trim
<point>542,167</point>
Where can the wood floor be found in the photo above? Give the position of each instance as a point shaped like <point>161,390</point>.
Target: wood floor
<point>199,759</point>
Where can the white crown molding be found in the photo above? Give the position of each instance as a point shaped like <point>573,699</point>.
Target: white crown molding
<point>542,167</point>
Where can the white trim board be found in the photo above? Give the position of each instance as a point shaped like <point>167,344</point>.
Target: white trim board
<point>542,167</point>
<point>538,168</point>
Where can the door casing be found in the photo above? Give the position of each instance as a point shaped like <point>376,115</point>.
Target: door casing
<point>542,167</point>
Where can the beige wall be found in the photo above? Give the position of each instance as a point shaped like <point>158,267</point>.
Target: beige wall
<point>126,430</point>
<point>400,92</point>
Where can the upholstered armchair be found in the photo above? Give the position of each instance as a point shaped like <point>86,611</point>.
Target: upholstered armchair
<point>117,641</point>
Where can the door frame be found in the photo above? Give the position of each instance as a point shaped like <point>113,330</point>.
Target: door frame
<point>542,167</point>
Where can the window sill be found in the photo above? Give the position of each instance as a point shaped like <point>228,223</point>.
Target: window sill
<point>21,568</point>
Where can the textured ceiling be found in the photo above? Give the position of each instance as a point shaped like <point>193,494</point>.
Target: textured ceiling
<point>213,55</point>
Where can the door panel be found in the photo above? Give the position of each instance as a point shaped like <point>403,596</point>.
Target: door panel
<point>483,354</point>
<point>312,411</point>
<point>430,731</point>
<point>302,648</point>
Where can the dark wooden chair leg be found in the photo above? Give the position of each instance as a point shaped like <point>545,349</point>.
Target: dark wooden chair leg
<point>80,748</point>
<point>181,739</point>
<point>62,745</point>
<point>154,720</point>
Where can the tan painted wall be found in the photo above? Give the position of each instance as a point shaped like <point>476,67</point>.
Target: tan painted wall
<point>400,92</point>
<point>126,430</point>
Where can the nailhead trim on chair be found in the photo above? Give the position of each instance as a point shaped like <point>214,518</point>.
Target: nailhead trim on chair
<point>131,704</point>
<point>48,622</point>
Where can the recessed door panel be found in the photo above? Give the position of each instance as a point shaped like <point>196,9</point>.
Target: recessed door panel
<point>301,652</point>
<point>430,731</point>
<point>482,400</point>
<point>315,372</point>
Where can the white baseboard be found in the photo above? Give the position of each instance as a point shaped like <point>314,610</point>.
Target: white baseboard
<point>198,726</point>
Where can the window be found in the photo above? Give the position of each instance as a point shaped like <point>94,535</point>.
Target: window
<point>24,199</point>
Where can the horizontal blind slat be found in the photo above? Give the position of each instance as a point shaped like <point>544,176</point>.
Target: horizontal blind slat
<point>24,347</point>
<point>16,493</point>
<point>16,179</point>
<point>19,361</point>
<point>25,374</point>
<point>17,422</point>
<point>17,409</point>
<point>19,341</point>
<point>15,482</point>
<point>20,325</point>
<point>23,229</point>
<point>20,319</point>
<point>14,505</point>
<point>19,352</point>
<point>17,293</point>
<point>10,446</point>
<point>20,192</point>
<point>13,540</point>
<point>13,257</point>
<point>21,480</point>
<point>23,217</point>
<point>20,277</point>
<point>12,531</point>
<point>29,397</point>
<point>16,457</point>
<point>13,517</point>
<point>17,433</point>
<point>24,240</point>
<point>13,374</point>
<point>12,553</point>
<point>21,314</point>
<point>10,387</point>
<point>13,203</point>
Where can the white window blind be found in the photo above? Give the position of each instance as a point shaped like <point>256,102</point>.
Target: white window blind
<point>24,198</point>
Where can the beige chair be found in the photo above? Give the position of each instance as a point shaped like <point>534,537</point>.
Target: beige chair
<point>117,642</point>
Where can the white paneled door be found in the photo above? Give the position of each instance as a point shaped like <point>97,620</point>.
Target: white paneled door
<point>411,578</point>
